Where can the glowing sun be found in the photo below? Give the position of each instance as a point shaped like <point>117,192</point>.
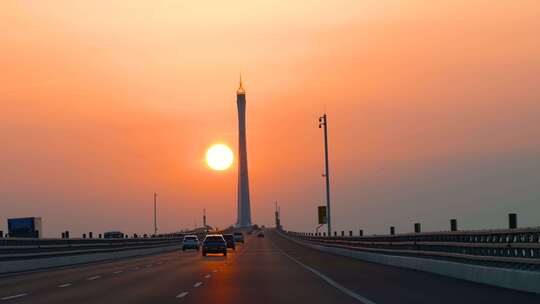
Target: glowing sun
<point>219,157</point>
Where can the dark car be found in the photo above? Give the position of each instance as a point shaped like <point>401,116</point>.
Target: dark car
<point>239,237</point>
<point>229,238</point>
<point>214,243</point>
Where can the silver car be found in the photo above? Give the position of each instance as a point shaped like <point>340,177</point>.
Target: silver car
<point>191,242</point>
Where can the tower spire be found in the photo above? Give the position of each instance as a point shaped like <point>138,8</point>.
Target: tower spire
<point>240,87</point>
<point>244,209</point>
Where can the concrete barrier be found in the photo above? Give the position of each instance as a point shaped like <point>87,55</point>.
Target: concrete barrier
<point>501,277</point>
<point>51,262</point>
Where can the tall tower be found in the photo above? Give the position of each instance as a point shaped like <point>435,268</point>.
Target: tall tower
<point>244,209</point>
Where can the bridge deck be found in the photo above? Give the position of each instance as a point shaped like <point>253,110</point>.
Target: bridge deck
<point>265,270</point>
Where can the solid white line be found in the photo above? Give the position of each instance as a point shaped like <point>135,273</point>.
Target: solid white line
<point>208,276</point>
<point>14,297</point>
<point>64,285</point>
<point>118,271</point>
<point>197,284</point>
<point>183,294</point>
<point>93,278</point>
<point>335,284</point>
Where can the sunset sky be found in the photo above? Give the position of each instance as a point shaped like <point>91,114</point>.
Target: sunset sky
<point>433,111</point>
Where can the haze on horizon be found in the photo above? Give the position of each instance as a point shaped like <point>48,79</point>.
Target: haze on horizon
<point>433,111</point>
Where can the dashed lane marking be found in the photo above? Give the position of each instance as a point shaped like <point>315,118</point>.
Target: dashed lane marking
<point>118,271</point>
<point>93,278</point>
<point>183,294</point>
<point>64,285</point>
<point>207,276</point>
<point>14,296</point>
<point>197,284</point>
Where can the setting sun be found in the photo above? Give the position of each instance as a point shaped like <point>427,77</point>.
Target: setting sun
<point>219,157</point>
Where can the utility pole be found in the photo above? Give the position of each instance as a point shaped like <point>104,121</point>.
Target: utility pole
<point>323,124</point>
<point>155,213</point>
<point>277,216</point>
<point>204,218</point>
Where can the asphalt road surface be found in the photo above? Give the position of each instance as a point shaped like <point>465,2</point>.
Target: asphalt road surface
<point>264,270</point>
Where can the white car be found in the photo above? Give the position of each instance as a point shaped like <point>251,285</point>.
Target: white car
<point>191,242</point>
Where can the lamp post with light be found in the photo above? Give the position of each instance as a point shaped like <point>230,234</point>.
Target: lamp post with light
<point>326,175</point>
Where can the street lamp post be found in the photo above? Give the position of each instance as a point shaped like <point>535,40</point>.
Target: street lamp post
<point>323,124</point>
<point>155,213</point>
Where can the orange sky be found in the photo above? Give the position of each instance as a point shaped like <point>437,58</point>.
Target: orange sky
<point>433,111</point>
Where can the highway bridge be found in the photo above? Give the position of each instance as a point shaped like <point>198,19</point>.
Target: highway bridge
<point>273,269</point>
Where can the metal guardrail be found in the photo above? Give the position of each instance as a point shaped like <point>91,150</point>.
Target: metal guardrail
<point>513,248</point>
<point>29,248</point>
<point>25,248</point>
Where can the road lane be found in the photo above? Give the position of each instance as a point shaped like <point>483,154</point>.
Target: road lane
<point>264,270</point>
<point>88,282</point>
<point>387,284</point>
<point>261,273</point>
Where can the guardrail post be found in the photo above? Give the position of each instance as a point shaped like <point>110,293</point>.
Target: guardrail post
<point>417,228</point>
<point>392,230</point>
<point>512,221</point>
<point>453,225</point>
<point>361,232</point>
<point>350,232</point>
<point>342,233</point>
<point>90,235</point>
<point>84,235</point>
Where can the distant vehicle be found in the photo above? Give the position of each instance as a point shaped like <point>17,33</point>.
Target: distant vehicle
<point>239,237</point>
<point>214,243</point>
<point>260,234</point>
<point>190,242</point>
<point>27,227</point>
<point>113,235</point>
<point>229,238</point>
